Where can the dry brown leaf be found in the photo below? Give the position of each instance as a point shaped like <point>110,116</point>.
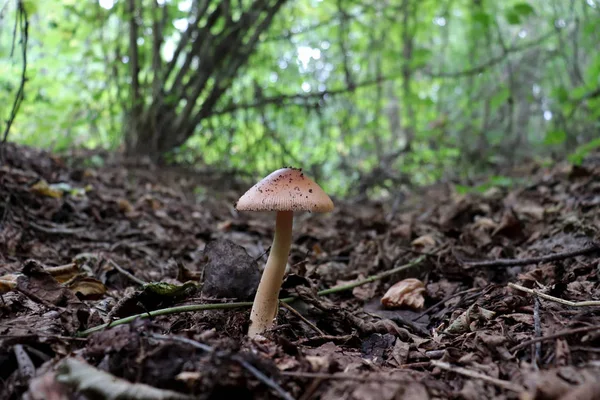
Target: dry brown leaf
<point>484,223</point>
<point>89,288</point>
<point>424,242</point>
<point>318,363</point>
<point>63,273</point>
<point>46,387</point>
<point>87,379</point>
<point>407,292</point>
<point>8,282</point>
<point>190,378</point>
<point>124,205</point>
<point>532,211</point>
<point>468,320</point>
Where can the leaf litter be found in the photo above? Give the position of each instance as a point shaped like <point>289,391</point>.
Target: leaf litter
<point>507,284</point>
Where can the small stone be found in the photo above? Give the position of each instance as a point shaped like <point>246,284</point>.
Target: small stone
<point>229,271</point>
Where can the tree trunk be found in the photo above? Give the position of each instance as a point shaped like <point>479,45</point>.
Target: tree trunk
<point>175,96</point>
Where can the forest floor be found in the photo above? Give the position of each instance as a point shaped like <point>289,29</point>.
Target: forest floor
<point>498,315</point>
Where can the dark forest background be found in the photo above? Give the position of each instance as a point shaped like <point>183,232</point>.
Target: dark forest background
<point>367,95</point>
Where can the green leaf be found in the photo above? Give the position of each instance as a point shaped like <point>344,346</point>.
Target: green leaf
<point>482,18</point>
<point>561,94</point>
<point>420,57</point>
<point>30,6</point>
<point>524,9</point>
<point>512,17</point>
<point>499,98</point>
<point>582,151</point>
<point>555,137</point>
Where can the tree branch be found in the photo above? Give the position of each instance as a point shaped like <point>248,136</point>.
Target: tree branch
<point>238,53</point>
<point>203,39</point>
<point>185,38</point>
<point>492,61</point>
<point>22,24</point>
<point>302,98</point>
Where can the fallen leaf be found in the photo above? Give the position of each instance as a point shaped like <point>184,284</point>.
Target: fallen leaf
<point>46,387</point>
<point>424,242</point>
<point>469,319</point>
<point>88,288</point>
<point>407,292</point>
<point>87,379</point>
<point>8,282</point>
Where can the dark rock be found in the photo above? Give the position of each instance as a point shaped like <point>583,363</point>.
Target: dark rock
<point>229,271</point>
<point>375,346</point>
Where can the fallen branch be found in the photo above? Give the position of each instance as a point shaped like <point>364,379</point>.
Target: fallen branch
<point>557,335</point>
<point>352,377</point>
<point>372,278</point>
<point>478,375</point>
<point>127,274</point>
<point>224,306</point>
<point>91,381</point>
<point>511,262</point>
<point>249,367</point>
<point>537,293</point>
<point>297,314</point>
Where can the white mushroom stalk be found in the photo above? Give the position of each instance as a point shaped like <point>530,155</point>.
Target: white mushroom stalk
<point>266,301</point>
<point>285,191</point>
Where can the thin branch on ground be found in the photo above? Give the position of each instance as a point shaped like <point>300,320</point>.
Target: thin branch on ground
<point>557,335</point>
<point>352,377</point>
<point>372,278</point>
<point>249,367</point>
<point>537,293</point>
<point>511,262</point>
<point>444,300</point>
<point>224,306</point>
<point>127,274</point>
<point>57,230</point>
<point>537,326</point>
<point>478,375</point>
<point>297,314</point>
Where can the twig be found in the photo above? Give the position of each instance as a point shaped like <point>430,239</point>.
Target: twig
<point>249,367</point>
<point>297,314</point>
<point>587,303</point>
<point>537,326</point>
<point>262,377</point>
<point>342,376</point>
<point>478,375</point>
<point>445,299</point>
<point>594,247</point>
<point>58,230</point>
<point>127,274</point>
<point>224,306</point>
<point>326,338</point>
<point>372,278</point>
<point>557,335</point>
<point>166,311</point>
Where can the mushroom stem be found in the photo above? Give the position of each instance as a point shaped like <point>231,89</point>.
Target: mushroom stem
<point>266,301</point>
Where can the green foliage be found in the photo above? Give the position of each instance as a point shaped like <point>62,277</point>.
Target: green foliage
<point>429,89</point>
<point>492,182</point>
<point>555,137</point>
<point>582,151</point>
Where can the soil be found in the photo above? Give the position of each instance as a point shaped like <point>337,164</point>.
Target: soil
<point>498,296</point>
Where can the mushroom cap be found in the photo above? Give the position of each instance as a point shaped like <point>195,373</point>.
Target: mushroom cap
<point>286,189</point>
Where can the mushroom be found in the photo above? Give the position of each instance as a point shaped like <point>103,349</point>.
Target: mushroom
<point>285,191</point>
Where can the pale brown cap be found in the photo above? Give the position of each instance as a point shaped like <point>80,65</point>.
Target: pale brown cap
<point>286,189</point>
